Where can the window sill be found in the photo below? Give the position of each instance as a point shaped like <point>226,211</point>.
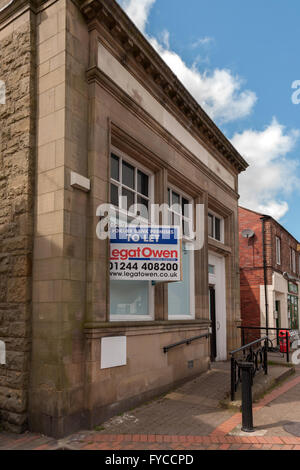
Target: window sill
<point>130,318</point>
<point>142,327</point>
<point>181,317</point>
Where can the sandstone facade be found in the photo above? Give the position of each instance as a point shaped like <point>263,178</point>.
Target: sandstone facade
<point>82,81</point>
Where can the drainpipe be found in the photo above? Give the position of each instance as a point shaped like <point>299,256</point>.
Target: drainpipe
<point>264,219</point>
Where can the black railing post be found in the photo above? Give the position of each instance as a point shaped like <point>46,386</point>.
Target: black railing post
<point>266,357</point>
<point>243,340</point>
<point>287,343</point>
<point>233,378</point>
<point>247,413</point>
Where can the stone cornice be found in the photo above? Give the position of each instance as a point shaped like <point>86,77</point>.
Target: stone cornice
<point>16,8</point>
<point>94,74</point>
<point>134,45</point>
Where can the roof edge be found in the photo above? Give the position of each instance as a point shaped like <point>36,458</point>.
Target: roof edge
<point>109,13</point>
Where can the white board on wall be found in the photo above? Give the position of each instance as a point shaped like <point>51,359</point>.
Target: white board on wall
<point>2,353</point>
<point>113,352</point>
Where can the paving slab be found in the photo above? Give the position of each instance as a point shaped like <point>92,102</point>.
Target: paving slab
<point>192,409</point>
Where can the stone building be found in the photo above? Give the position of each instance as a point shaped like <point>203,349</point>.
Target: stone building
<point>276,280</point>
<point>86,97</point>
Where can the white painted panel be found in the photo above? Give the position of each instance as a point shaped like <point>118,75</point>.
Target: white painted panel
<point>113,352</point>
<point>2,353</point>
<point>219,282</point>
<point>113,69</point>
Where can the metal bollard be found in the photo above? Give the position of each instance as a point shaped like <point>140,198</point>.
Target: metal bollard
<point>247,414</point>
<point>266,357</point>
<point>287,342</point>
<point>233,378</point>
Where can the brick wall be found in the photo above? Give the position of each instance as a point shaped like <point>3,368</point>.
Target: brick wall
<point>16,220</point>
<point>251,270</point>
<point>251,260</point>
<point>287,242</point>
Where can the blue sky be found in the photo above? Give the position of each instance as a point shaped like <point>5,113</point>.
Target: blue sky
<point>239,60</point>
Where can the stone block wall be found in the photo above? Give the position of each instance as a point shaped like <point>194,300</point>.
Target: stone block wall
<point>17,155</point>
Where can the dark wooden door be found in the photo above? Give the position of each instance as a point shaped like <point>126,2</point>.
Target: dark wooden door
<point>213,338</point>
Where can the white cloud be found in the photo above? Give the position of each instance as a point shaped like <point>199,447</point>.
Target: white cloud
<point>202,42</point>
<point>219,92</point>
<point>271,176</point>
<point>165,38</point>
<point>138,11</point>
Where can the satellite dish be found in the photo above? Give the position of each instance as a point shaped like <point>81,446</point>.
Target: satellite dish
<point>248,233</point>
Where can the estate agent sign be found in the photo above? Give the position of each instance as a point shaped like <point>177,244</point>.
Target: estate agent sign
<point>145,254</point>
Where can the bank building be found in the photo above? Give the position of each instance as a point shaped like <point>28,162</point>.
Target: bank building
<point>92,113</point>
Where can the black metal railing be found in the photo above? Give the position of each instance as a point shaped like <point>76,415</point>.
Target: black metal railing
<point>261,328</point>
<point>255,353</point>
<point>185,341</point>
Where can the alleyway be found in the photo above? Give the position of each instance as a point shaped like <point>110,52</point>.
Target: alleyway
<point>188,418</point>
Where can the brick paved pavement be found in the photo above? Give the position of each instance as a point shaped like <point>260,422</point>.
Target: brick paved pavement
<point>192,409</point>
<point>204,426</point>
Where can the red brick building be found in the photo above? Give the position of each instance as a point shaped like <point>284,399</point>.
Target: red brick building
<point>269,272</point>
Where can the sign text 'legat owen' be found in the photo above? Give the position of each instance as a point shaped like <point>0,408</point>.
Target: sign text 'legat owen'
<point>145,254</point>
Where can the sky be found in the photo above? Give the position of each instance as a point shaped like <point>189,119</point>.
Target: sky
<point>240,61</point>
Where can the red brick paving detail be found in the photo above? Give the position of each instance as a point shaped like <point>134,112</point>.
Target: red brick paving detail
<point>159,442</point>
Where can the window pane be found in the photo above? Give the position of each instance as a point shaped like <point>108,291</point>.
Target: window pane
<point>114,167</point>
<point>187,228</point>
<point>211,269</point>
<point>126,204</point>
<point>128,175</point>
<point>143,183</point>
<point>217,229</point>
<point>278,250</point>
<point>175,198</point>
<point>176,220</point>
<point>185,207</point>
<point>169,197</point>
<point>114,196</point>
<point>144,207</point>
<point>179,292</point>
<point>129,298</point>
<point>210,225</point>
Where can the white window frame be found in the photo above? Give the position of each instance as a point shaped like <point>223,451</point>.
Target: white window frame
<point>122,211</point>
<point>122,156</point>
<point>191,315</point>
<point>278,251</point>
<point>215,215</point>
<point>293,260</point>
